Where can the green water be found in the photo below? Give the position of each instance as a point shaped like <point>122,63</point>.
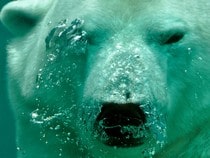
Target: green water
<point>7,134</point>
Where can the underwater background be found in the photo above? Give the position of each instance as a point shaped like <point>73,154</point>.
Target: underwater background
<point>7,129</point>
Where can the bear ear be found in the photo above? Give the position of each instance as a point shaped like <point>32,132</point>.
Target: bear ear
<point>21,16</point>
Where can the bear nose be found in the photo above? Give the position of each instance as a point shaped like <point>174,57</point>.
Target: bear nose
<point>114,118</point>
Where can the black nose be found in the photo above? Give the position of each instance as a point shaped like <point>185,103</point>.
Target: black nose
<point>121,123</point>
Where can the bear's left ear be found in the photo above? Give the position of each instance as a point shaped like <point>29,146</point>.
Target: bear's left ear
<point>21,16</point>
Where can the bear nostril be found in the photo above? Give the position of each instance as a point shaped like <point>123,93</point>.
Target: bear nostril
<point>120,123</point>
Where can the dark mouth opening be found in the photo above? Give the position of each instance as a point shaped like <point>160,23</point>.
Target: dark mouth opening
<point>121,125</point>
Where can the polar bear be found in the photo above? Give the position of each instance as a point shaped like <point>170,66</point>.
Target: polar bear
<point>110,79</point>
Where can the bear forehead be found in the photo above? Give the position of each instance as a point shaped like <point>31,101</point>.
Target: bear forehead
<point>132,12</point>
<point>135,7</point>
<point>119,9</point>
<point>118,14</point>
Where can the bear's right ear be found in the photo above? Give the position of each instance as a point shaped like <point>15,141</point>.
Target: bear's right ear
<point>21,16</point>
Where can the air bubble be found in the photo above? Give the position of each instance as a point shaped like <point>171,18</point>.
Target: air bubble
<point>34,115</point>
<point>51,57</point>
<point>18,148</point>
<point>57,127</point>
<point>200,58</point>
<point>49,23</point>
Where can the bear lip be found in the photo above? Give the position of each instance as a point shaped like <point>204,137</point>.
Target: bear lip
<point>120,124</point>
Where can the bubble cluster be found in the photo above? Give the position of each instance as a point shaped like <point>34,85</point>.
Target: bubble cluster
<point>157,124</point>
<point>65,39</point>
<point>54,127</point>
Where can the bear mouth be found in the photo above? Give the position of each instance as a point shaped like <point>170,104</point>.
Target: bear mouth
<point>121,125</point>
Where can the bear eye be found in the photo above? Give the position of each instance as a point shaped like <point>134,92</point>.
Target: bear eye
<point>172,38</point>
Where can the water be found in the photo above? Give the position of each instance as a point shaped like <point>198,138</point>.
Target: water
<point>7,127</point>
